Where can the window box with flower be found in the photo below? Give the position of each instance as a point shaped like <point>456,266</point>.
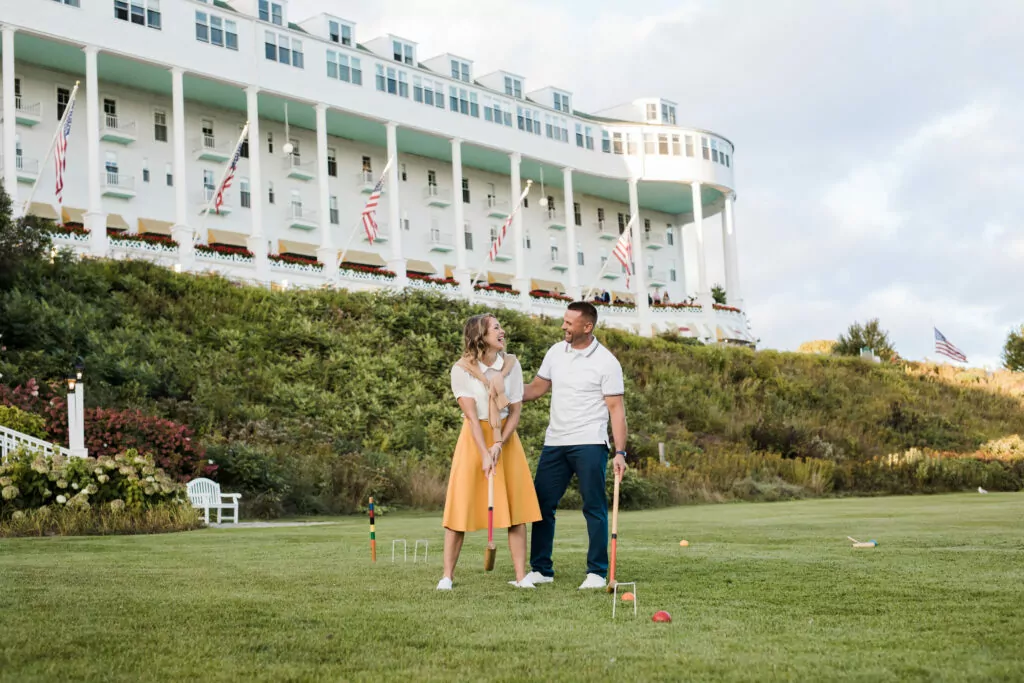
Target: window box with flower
<point>554,296</point>
<point>359,271</point>
<point>147,241</point>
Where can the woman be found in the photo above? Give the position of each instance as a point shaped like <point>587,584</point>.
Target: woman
<point>488,385</point>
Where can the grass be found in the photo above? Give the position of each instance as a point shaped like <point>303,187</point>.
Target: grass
<point>764,592</point>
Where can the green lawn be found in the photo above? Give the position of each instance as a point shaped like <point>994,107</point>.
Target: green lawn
<point>764,592</point>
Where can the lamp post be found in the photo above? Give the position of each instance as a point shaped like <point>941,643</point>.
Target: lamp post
<point>76,411</point>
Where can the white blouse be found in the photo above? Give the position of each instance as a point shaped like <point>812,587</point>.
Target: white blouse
<point>464,385</point>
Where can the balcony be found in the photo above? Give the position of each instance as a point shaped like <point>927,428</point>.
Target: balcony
<point>497,208</point>
<point>301,218</point>
<point>366,181</point>
<point>26,169</point>
<point>206,195</point>
<point>657,278</point>
<point>557,259</point>
<point>442,242</point>
<point>653,241</point>
<point>554,220</point>
<point>206,149</point>
<point>116,129</point>
<point>27,114</point>
<point>435,196</point>
<point>605,230</point>
<point>298,170</point>
<point>117,184</point>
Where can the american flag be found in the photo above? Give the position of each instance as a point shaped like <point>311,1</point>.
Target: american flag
<point>61,150</point>
<point>369,224</point>
<point>943,346</point>
<point>624,251</point>
<point>218,201</point>
<point>496,245</point>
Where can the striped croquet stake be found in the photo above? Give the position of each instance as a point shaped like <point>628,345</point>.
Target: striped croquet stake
<point>373,535</point>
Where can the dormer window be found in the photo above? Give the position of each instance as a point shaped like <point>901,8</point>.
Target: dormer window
<point>513,87</point>
<point>562,102</point>
<point>652,112</point>
<point>460,70</point>
<point>403,52</point>
<point>340,33</point>
<point>272,12</point>
<point>668,114</point>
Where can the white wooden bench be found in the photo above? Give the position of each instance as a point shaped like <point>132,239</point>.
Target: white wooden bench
<point>205,495</point>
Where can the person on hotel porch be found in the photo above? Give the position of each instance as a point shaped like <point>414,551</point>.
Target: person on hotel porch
<point>587,389</point>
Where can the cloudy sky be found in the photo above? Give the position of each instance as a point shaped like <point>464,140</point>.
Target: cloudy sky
<point>879,145</point>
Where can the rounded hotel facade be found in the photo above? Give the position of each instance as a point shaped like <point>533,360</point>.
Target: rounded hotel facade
<point>165,88</point>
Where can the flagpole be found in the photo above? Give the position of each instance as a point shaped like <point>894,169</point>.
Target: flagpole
<point>355,230</point>
<point>508,220</point>
<point>53,143</point>
<point>217,190</point>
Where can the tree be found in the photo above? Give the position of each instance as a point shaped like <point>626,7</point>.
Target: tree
<point>870,336</point>
<point>20,240</point>
<point>718,294</point>
<point>1013,351</point>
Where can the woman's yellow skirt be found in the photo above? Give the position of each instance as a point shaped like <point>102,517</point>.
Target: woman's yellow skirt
<point>515,500</point>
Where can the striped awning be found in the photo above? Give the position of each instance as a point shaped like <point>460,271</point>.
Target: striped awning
<point>151,226</point>
<point>72,215</point>
<point>40,210</point>
<point>227,238</point>
<point>496,278</point>
<point>548,286</point>
<point>449,271</point>
<point>115,221</point>
<point>297,248</point>
<point>363,258</point>
<point>421,267</point>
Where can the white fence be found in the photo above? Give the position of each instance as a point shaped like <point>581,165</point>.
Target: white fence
<point>11,441</point>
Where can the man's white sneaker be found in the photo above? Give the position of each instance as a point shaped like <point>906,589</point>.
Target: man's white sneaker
<point>445,584</point>
<point>536,578</point>
<point>525,583</point>
<point>593,581</point>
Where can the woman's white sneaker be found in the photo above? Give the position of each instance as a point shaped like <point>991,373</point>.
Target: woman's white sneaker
<point>445,584</point>
<point>525,583</point>
<point>536,578</point>
<point>593,581</point>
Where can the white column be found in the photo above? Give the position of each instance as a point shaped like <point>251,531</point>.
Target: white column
<point>181,231</point>
<point>9,133</point>
<point>462,272</point>
<point>698,224</point>
<point>397,262</point>
<point>327,254</point>
<point>570,234</point>
<point>640,277</point>
<point>520,281</point>
<point>95,218</point>
<point>257,241</point>
<point>678,236</point>
<point>732,275</point>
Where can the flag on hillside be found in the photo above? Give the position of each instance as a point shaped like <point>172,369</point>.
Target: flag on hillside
<point>369,224</point>
<point>61,150</point>
<point>943,346</point>
<point>624,252</point>
<point>218,201</point>
<point>496,245</point>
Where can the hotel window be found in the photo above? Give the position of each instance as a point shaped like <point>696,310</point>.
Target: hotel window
<point>606,142</point>
<point>689,145</point>
<point>340,33</point>
<point>464,102</point>
<point>668,114</point>
<point>270,192</point>
<point>63,97</point>
<point>617,143</point>
<point>332,162</point>
<point>663,144</point>
<point>497,111</point>
<point>652,112</point>
<point>169,175</point>
<point>465,190</point>
<point>468,232</point>
<point>244,193</point>
<point>590,138</point>
<point>672,272</point>
<point>145,170</point>
<point>403,52</point>
<point>579,254</point>
<point>649,147</point>
<point>529,120</point>
<point>270,142</point>
<point>403,173</point>
<point>428,92</point>
<point>244,151</point>
<point>670,235</point>
<point>631,144</point>
<point>577,213</point>
<point>623,222</point>
<point>72,3</point>
<point>207,184</point>
<point>579,134</point>
<point>333,208</point>
<point>705,150</point>
<point>216,31</point>
<point>271,11</point>
<point>513,87</point>
<point>676,150</point>
<point>141,12</point>
<point>714,151</point>
<point>281,49</point>
<point>367,165</point>
<point>344,68</point>
<point>160,125</point>
<point>562,102</point>
<point>604,256</point>
<point>460,70</point>
<point>392,81</point>
<point>647,227</point>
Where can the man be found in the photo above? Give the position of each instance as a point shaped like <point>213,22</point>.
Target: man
<point>586,386</point>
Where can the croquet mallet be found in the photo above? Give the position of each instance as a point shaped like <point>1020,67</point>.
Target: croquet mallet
<point>491,550</point>
<point>615,532</point>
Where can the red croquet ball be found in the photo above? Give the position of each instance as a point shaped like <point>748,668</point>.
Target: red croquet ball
<point>662,615</point>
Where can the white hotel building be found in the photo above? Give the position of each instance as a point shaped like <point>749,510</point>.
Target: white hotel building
<point>167,85</point>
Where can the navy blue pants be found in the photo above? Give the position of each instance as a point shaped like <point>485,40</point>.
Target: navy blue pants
<point>554,471</point>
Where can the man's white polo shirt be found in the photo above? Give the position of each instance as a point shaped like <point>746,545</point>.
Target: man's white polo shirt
<point>580,381</point>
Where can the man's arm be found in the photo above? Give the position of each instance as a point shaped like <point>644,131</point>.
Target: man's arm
<point>535,389</point>
<point>617,415</point>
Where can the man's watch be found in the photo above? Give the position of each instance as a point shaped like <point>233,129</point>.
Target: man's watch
<point>622,453</point>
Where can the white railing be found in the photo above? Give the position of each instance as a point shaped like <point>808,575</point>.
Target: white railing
<point>11,441</point>
<point>208,141</point>
<point>495,204</point>
<point>660,276</point>
<point>436,193</point>
<point>112,123</point>
<point>299,212</point>
<point>27,109</point>
<point>554,217</point>
<point>654,240</point>
<point>293,164</point>
<point>118,180</point>
<point>26,165</point>
<point>366,178</point>
<point>441,239</point>
<point>605,229</point>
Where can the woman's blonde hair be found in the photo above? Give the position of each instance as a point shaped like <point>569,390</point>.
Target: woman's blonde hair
<point>473,334</point>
